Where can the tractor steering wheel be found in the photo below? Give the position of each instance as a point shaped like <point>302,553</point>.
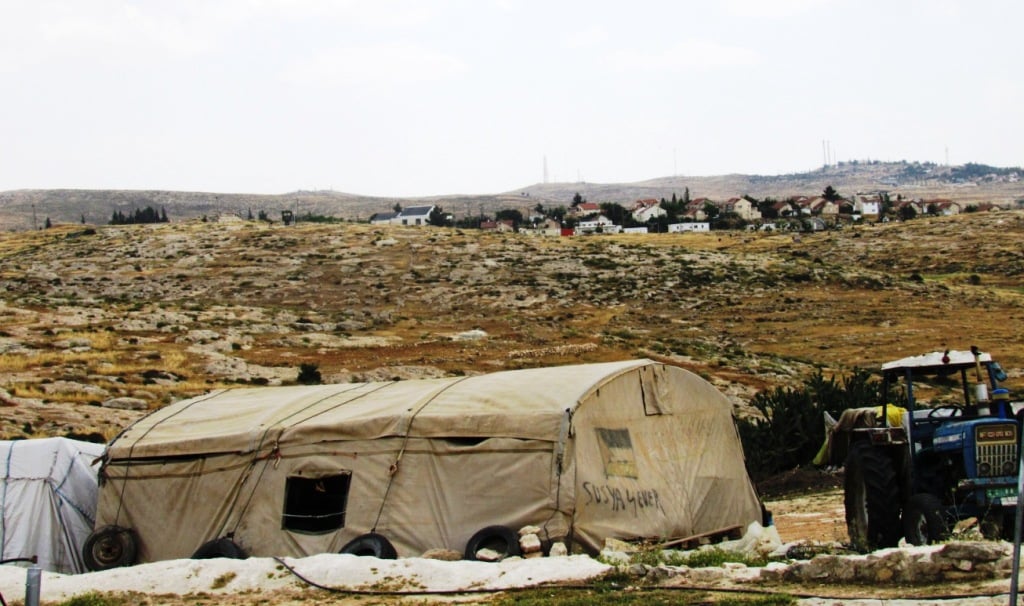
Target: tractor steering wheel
<point>956,408</point>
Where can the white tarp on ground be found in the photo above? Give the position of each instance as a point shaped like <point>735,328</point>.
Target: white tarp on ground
<point>48,495</point>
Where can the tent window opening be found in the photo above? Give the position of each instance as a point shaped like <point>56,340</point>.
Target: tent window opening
<point>617,452</point>
<point>315,505</point>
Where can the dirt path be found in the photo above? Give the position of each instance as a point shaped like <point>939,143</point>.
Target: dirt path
<point>814,517</point>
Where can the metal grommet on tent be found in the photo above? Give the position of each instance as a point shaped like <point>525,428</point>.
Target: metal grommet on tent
<point>501,539</point>
<point>220,548</point>
<point>110,547</point>
<point>371,544</point>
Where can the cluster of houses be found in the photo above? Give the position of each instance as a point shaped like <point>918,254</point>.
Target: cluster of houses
<point>814,213</point>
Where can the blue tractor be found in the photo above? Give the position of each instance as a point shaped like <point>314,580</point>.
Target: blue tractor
<point>913,470</point>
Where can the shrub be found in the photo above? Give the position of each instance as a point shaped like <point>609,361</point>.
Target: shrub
<point>93,598</point>
<point>309,374</point>
<point>791,428</point>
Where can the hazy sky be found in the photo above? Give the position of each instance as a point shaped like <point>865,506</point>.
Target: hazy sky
<point>423,97</point>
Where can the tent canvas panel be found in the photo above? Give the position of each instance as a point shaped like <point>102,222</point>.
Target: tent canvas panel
<point>171,505</point>
<point>48,492</point>
<point>440,499</point>
<point>672,474</point>
<point>440,494</point>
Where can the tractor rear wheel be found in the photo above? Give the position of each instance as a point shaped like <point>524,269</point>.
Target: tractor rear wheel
<point>871,497</point>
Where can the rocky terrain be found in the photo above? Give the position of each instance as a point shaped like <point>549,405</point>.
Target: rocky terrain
<point>100,323</point>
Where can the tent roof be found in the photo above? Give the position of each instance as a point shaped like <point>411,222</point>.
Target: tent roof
<point>43,458</point>
<point>526,404</point>
<point>933,362</point>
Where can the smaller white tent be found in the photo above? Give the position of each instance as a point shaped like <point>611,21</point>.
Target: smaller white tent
<point>48,495</point>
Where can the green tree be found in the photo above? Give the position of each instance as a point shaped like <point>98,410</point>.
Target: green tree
<point>830,194</point>
<point>510,214</point>
<point>616,212</point>
<point>907,212</point>
<point>730,220</point>
<point>578,199</point>
<point>438,217</point>
<point>686,195</point>
<point>711,211</point>
<point>470,222</point>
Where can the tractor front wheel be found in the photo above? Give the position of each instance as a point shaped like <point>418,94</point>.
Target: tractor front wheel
<point>924,521</point>
<point>871,497</point>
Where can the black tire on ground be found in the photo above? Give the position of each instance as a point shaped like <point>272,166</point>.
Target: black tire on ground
<point>110,547</point>
<point>497,538</point>
<point>872,498</point>
<point>220,548</point>
<point>924,521</point>
<point>371,544</point>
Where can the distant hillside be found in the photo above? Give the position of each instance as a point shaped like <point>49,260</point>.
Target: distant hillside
<point>25,209</point>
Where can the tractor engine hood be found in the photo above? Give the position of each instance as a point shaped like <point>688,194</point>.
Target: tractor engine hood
<point>955,435</point>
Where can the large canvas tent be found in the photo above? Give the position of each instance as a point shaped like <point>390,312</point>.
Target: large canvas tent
<point>49,492</point>
<point>625,449</point>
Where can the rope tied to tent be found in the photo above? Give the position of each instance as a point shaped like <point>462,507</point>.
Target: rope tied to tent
<point>393,468</point>
<point>131,449</point>
<point>275,452</point>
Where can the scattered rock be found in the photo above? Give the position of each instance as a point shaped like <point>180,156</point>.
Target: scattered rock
<point>6,399</point>
<point>529,543</point>
<point>975,551</point>
<point>126,403</point>
<point>199,337</point>
<point>488,555</point>
<point>65,388</point>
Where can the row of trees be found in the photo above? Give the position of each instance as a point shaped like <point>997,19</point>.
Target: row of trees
<point>139,216</point>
